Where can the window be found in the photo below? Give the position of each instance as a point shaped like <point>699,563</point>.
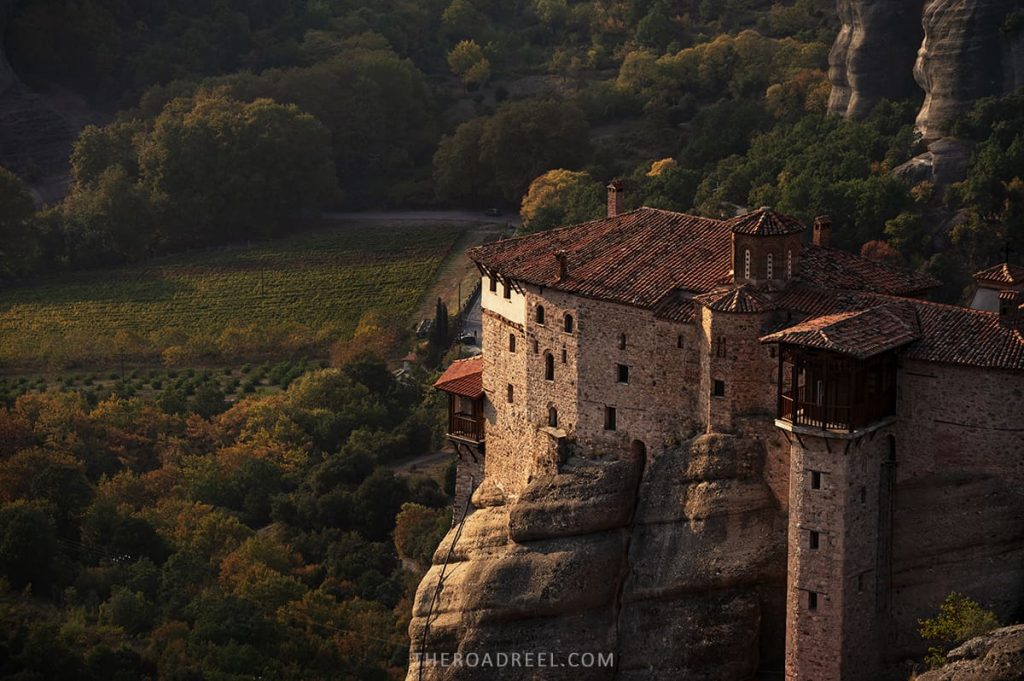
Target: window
<point>814,540</point>
<point>789,264</point>
<point>568,323</point>
<point>771,266</point>
<point>511,342</point>
<point>863,494</point>
<point>680,342</point>
<point>719,389</point>
<point>721,349</point>
<point>609,418</point>
<point>552,417</point>
<point>815,479</point>
<point>536,346</point>
<point>508,291</point>
<point>540,314</point>
<point>549,366</point>
<point>746,264</point>
<point>860,583</point>
<point>623,373</point>
<point>565,356</point>
<point>622,341</point>
<point>812,600</point>
<point>494,283</point>
<point>511,393</point>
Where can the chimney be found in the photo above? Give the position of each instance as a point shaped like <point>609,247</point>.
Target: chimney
<point>616,198</point>
<point>1010,302</point>
<point>822,230</point>
<point>563,265</point>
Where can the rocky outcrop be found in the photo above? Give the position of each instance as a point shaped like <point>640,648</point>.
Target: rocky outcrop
<point>957,51</point>
<point>873,56</point>
<point>996,656</point>
<point>970,50</point>
<point>35,139</point>
<point>676,566</point>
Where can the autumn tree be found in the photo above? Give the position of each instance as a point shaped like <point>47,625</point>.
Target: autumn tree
<point>561,197</point>
<point>467,61</point>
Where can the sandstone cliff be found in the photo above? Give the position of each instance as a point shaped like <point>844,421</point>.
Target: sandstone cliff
<point>35,140</point>
<point>676,566</point>
<point>996,656</point>
<point>965,50</point>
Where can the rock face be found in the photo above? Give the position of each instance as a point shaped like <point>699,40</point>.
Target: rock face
<point>996,656</point>
<point>873,56</point>
<point>970,51</point>
<point>35,140</point>
<point>965,50</point>
<point>676,566</point>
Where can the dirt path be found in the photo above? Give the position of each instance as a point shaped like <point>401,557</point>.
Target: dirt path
<point>455,270</point>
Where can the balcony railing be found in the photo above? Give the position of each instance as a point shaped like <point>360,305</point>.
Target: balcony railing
<point>828,416</point>
<point>466,426</point>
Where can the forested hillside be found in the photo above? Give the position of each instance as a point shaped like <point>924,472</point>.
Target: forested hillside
<point>704,104</point>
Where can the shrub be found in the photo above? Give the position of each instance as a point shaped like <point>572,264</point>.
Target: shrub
<point>959,619</point>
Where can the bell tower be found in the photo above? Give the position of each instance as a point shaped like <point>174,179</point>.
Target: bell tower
<point>765,247</point>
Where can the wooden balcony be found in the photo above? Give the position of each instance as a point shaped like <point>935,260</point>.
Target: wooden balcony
<point>832,392</point>
<point>466,427</point>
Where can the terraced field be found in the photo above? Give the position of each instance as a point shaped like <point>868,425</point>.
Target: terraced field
<point>295,295</point>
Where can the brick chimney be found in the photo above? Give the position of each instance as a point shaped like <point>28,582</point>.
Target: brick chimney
<point>563,265</point>
<point>1010,301</point>
<point>822,235</point>
<point>616,198</point>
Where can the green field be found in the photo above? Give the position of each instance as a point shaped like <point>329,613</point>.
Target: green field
<point>290,296</point>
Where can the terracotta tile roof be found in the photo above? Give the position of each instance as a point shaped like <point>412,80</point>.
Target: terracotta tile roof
<point>765,222</point>
<point>676,306</point>
<point>636,258</point>
<point>949,333</point>
<point>641,257</point>
<point>830,268</point>
<point>736,299</point>
<point>859,333</point>
<point>464,378</point>
<point>1003,273</point>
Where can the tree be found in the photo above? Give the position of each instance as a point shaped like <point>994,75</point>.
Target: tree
<point>467,61</point>
<point>561,197</point>
<point>958,620</point>
<point>419,530</point>
<point>18,240</point>
<point>28,546</point>
<point>109,219</point>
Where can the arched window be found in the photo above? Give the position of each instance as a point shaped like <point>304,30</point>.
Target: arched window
<point>789,264</point>
<point>511,342</point>
<point>540,314</point>
<point>568,323</point>
<point>746,264</point>
<point>771,268</point>
<point>552,417</point>
<point>622,341</point>
<point>549,366</point>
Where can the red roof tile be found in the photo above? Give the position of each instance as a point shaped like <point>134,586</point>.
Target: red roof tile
<point>859,333</point>
<point>765,222</point>
<point>736,299</point>
<point>831,268</point>
<point>640,257</point>
<point>464,378</point>
<point>1003,273</point>
<point>949,333</point>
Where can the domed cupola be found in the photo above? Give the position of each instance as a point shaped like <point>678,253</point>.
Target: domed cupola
<point>765,247</point>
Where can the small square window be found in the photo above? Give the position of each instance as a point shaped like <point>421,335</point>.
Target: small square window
<point>815,479</point>
<point>680,342</point>
<point>623,373</point>
<point>511,342</point>
<point>622,341</point>
<point>719,389</point>
<point>812,600</point>
<point>610,418</point>
<point>814,539</point>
